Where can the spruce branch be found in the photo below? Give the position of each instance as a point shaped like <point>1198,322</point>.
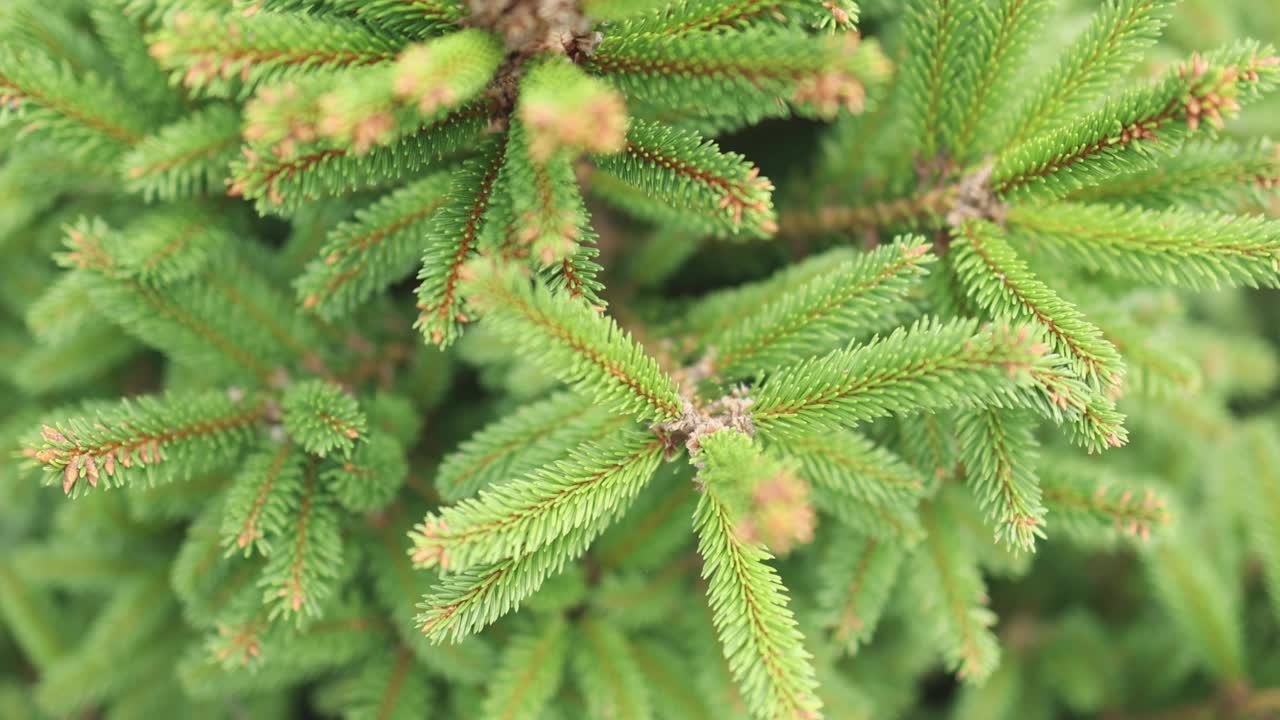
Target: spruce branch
<point>1125,133</point>
<point>864,486</point>
<point>381,244</point>
<point>529,672</point>
<point>85,116</point>
<point>999,282</point>
<point>717,312</point>
<point>305,561</point>
<point>573,341</point>
<point>533,436</point>
<point>465,603</point>
<point>846,300</point>
<point>858,573</point>
<point>321,417</point>
<point>999,453</point>
<point>1190,587</point>
<point>1215,175</point>
<point>692,174</point>
<point>153,438</point>
<point>749,607</point>
<point>566,110</point>
<point>374,106</point>
<point>1108,46</point>
<point>1005,32</point>
<point>511,519</point>
<point>371,477</point>
<point>190,157</point>
<point>1090,505</point>
<point>1261,448</point>
<point>547,205</point>
<point>936,76</point>
<point>694,16</point>
<point>1179,247</point>
<point>228,55</point>
<point>452,240</point>
<point>282,184</point>
<point>749,73</point>
<point>949,586</point>
<point>932,365</point>
<point>258,498</point>
<point>607,673</point>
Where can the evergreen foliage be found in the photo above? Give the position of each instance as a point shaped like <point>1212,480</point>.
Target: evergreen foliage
<point>972,387</point>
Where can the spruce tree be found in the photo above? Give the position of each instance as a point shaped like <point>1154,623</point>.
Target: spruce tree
<point>453,358</point>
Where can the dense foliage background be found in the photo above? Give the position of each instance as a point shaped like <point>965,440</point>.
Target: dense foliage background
<point>203,590</point>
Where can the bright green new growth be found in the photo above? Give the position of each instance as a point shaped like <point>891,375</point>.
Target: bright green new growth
<point>653,438</point>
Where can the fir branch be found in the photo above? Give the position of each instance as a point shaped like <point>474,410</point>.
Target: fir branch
<point>1177,247</point>
<point>930,366</point>
<point>114,443</point>
<point>578,345</point>
<point>749,606</point>
<point>519,517</point>
<point>999,282</point>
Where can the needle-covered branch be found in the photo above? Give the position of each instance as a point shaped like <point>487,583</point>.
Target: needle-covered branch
<point>749,605</point>
<point>149,439</point>
<point>571,340</point>
<point>1175,247</point>
<point>847,299</point>
<point>933,365</point>
<point>527,514</point>
<point>997,280</point>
